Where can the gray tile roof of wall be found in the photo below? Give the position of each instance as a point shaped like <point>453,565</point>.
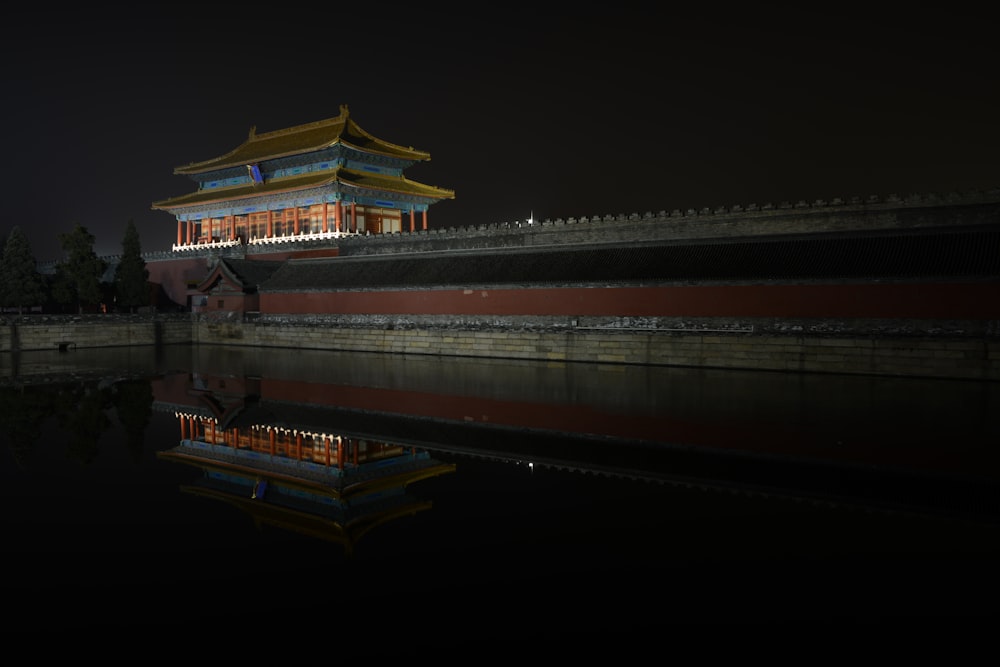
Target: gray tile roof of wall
<point>974,253</point>
<point>251,272</point>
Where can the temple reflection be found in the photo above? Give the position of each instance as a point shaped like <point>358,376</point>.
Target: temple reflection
<point>260,481</point>
<point>334,459</point>
<point>306,479</point>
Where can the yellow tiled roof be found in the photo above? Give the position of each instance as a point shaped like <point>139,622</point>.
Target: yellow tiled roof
<point>399,184</point>
<point>302,139</point>
<point>339,175</point>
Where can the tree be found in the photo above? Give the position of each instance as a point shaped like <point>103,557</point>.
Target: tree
<point>20,282</point>
<point>131,274</point>
<point>82,269</point>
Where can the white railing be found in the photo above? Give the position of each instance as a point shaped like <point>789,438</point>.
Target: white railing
<point>302,236</point>
<point>205,246</point>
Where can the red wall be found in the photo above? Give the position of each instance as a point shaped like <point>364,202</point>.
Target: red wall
<point>175,274</point>
<point>951,300</point>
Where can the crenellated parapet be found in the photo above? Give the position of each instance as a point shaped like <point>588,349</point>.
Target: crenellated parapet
<point>891,212</point>
<point>856,214</point>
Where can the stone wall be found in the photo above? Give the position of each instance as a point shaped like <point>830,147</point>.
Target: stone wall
<point>917,356</point>
<point>47,332</point>
<point>959,357</point>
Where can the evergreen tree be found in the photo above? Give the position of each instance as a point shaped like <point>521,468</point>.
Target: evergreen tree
<point>82,268</point>
<point>21,284</point>
<point>131,274</point>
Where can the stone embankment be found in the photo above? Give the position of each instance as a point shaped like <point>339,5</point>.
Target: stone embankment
<point>943,356</point>
<point>68,332</point>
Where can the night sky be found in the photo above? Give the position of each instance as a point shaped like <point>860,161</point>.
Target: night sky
<point>601,111</point>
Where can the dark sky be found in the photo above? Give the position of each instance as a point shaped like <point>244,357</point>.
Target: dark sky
<point>587,112</point>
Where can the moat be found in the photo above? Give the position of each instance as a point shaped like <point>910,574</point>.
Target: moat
<point>425,498</point>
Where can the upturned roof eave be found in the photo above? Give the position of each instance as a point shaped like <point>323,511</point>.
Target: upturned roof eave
<point>341,176</point>
<point>336,130</point>
<point>246,191</point>
<point>398,184</point>
<point>218,164</point>
<point>220,272</point>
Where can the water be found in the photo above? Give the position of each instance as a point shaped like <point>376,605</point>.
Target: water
<point>486,503</point>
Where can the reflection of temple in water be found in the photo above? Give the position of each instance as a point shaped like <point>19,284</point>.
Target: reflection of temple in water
<point>354,435</point>
<point>307,480</point>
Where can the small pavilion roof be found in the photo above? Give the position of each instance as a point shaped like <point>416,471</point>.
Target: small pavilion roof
<point>248,274</point>
<point>306,138</point>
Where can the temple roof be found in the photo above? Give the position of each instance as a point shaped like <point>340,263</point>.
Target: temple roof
<point>339,175</point>
<point>306,138</point>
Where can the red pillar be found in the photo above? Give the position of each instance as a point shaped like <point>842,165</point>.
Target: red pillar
<point>413,220</point>
<point>337,208</point>
<point>270,222</point>
<point>179,223</point>
<point>326,226</point>
<point>354,217</point>
<point>424,215</point>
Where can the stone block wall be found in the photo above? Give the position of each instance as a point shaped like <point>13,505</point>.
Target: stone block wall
<point>956,357</point>
<point>89,331</point>
<point>960,358</point>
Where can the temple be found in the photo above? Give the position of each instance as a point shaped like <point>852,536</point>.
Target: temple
<point>322,180</point>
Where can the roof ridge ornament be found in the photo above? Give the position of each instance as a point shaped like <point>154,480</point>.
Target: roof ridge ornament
<point>253,131</point>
